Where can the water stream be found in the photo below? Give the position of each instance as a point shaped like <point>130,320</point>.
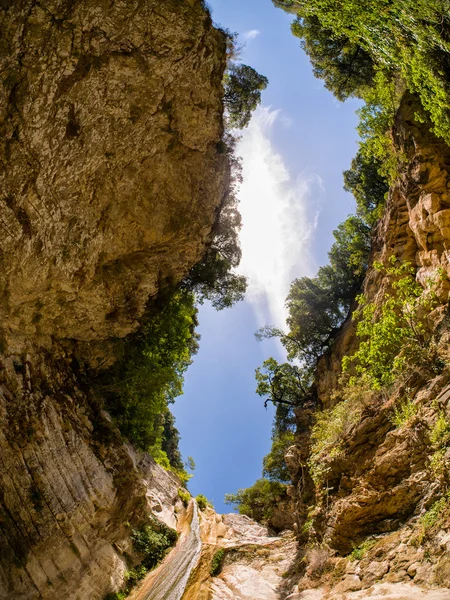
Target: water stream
<point>169,581</point>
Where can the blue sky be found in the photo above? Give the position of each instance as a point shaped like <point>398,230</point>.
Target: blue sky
<point>294,151</point>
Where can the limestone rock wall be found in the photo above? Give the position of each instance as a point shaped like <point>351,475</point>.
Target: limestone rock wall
<point>382,482</point>
<point>112,173</point>
<point>110,114</point>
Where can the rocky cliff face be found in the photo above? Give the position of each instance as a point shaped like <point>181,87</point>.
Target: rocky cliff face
<point>110,114</point>
<point>387,488</point>
<point>111,177</point>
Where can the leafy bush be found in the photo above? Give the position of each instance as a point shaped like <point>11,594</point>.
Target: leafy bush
<point>216,563</point>
<point>184,496</point>
<point>116,596</point>
<point>368,187</point>
<point>360,551</point>
<point>274,465</point>
<point>259,500</point>
<point>376,120</point>
<point>153,540</point>
<point>404,413</point>
<point>434,514</point>
<point>440,434</point>
<point>332,425</point>
<point>440,439</point>
<point>398,334</point>
<point>402,38</point>
<point>203,502</point>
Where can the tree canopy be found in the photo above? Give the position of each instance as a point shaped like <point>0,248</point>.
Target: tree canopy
<point>243,87</point>
<point>149,375</point>
<point>346,68</point>
<point>318,306</point>
<point>214,277</point>
<point>368,187</point>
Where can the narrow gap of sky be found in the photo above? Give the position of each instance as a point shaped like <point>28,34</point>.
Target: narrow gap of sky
<point>294,151</point>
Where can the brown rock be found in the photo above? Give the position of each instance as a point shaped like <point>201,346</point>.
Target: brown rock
<point>350,583</point>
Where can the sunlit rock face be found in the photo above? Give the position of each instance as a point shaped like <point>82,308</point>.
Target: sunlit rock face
<point>110,181</point>
<point>110,113</point>
<point>255,563</point>
<point>382,482</point>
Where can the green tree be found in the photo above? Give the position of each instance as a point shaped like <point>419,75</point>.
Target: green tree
<point>214,277</point>
<point>243,87</point>
<point>274,465</point>
<point>149,374</point>
<point>285,385</point>
<point>346,68</point>
<point>368,187</point>
<point>170,441</point>
<point>259,500</point>
<point>318,306</point>
<point>407,38</point>
<point>348,257</point>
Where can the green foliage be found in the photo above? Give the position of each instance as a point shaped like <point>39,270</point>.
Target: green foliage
<point>116,596</point>
<point>170,441</point>
<point>283,384</point>
<point>318,306</point>
<point>274,465</point>
<point>434,514</point>
<point>440,440</point>
<point>346,68</point>
<point>259,500</point>
<point>359,552</point>
<point>332,425</point>
<point>376,120</point>
<point>404,413</point>
<point>368,187</point>
<point>243,86</point>
<point>216,563</point>
<point>214,278</point>
<point>397,334</point>
<point>184,496</point>
<point>190,463</point>
<point>203,502</point>
<point>440,434</point>
<point>153,541</point>
<point>134,575</point>
<point>404,38</point>
<point>150,373</point>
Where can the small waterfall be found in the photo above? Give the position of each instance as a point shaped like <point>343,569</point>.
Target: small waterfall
<point>172,577</point>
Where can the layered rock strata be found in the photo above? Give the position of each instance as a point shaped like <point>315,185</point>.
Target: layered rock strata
<point>112,175</point>
<point>383,482</point>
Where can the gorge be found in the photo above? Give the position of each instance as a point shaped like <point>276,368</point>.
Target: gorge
<point>119,215</point>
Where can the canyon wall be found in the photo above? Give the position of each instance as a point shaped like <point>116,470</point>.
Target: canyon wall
<point>112,175</point>
<point>382,483</point>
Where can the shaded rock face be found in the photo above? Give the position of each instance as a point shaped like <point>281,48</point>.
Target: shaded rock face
<point>112,175</point>
<point>110,113</point>
<point>71,491</point>
<point>382,481</point>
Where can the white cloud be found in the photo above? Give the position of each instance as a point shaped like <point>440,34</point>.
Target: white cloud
<point>248,36</point>
<point>279,216</point>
